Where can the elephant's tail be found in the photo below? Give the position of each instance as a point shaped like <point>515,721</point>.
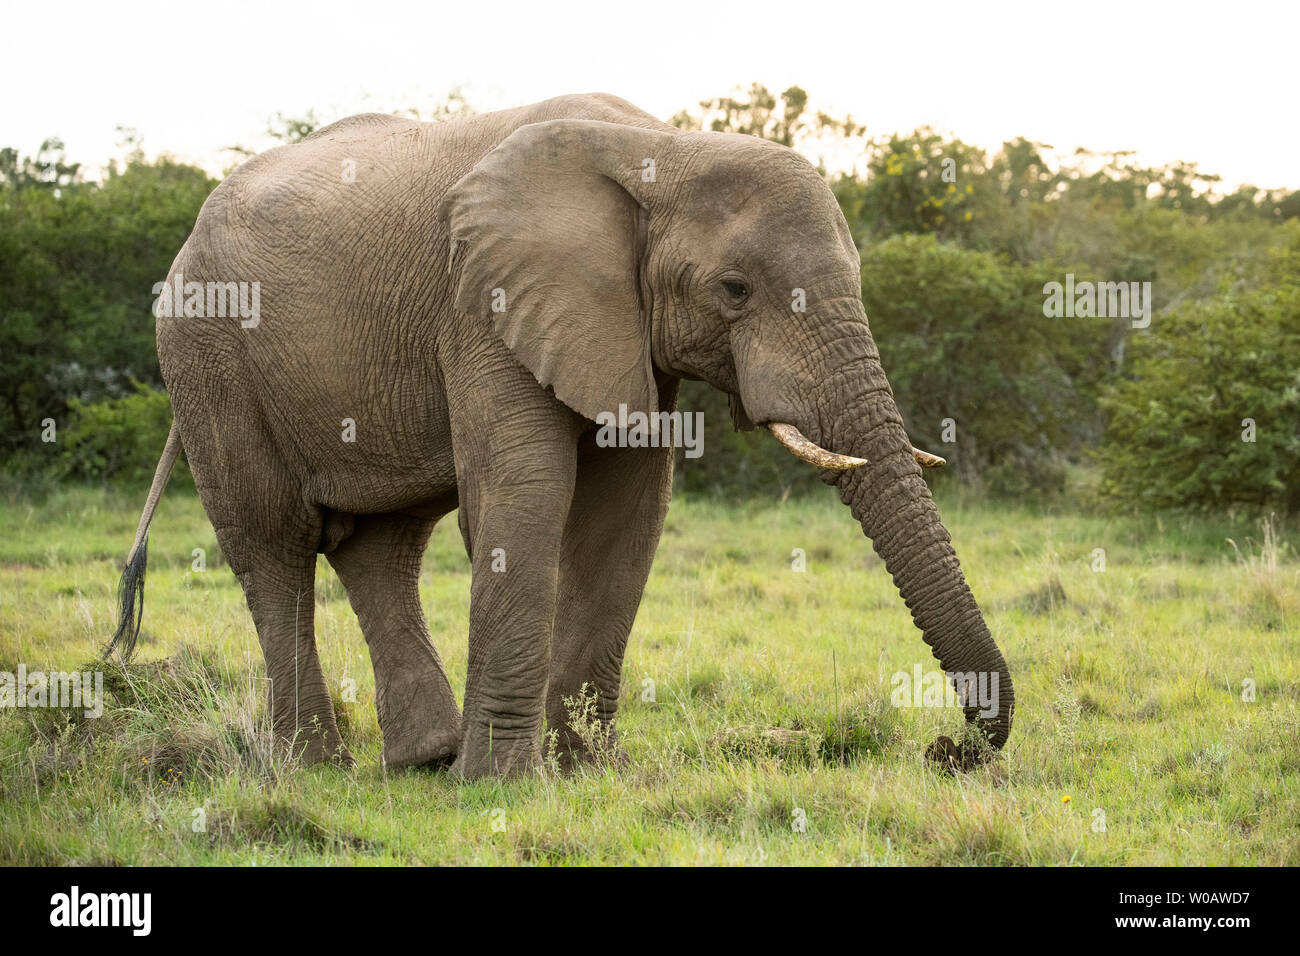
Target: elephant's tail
<point>130,589</point>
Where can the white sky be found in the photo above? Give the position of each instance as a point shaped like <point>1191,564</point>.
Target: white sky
<point>1214,83</point>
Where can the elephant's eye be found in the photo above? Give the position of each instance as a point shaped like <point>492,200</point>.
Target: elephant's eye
<point>736,290</point>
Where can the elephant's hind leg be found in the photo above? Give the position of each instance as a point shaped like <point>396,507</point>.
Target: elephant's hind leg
<point>269,537</point>
<point>280,589</point>
<point>379,564</point>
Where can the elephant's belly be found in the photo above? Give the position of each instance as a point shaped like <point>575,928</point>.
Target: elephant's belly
<point>374,490</point>
<point>371,437</point>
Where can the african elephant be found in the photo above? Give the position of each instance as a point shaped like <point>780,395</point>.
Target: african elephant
<point>470,296</point>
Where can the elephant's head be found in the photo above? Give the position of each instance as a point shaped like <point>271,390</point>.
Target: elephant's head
<point>606,252</point>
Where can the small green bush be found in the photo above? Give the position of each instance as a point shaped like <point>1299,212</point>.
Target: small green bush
<point>119,440</point>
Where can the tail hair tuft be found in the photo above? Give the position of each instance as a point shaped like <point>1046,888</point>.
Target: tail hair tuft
<point>130,598</point>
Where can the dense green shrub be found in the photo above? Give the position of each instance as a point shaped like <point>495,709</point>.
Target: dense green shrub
<point>119,440</point>
<point>1178,430</point>
<point>962,336</point>
<point>77,269</point>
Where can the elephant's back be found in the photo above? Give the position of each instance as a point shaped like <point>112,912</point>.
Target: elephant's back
<point>421,160</point>
<point>340,232</point>
<point>368,179</point>
<point>604,107</point>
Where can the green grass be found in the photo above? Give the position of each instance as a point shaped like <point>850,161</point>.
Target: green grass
<point>772,695</point>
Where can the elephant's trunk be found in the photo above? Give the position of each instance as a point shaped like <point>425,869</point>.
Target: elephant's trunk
<point>893,504</point>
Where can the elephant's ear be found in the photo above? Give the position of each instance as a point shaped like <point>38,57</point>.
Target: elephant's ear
<point>547,233</point>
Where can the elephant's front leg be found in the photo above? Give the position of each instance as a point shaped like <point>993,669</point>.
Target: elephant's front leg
<point>619,503</point>
<point>513,510</point>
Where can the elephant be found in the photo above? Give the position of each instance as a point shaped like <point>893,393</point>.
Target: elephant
<point>466,298</point>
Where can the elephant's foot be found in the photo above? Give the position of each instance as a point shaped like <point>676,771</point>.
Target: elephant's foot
<point>432,748</point>
<point>338,755</point>
<point>951,758</point>
<point>419,718</point>
<point>320,742</point>
<point>570,761</point>
<point>485,754</point>
<point>604,751</point>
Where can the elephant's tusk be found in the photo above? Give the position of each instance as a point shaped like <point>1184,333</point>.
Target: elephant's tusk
<point>804,450</point>
<point>799,446</point>
<point>926,460</point>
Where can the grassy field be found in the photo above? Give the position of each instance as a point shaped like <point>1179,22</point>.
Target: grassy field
<point>771,737</point>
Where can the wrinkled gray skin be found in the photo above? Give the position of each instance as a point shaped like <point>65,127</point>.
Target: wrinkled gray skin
<point>617,282</point>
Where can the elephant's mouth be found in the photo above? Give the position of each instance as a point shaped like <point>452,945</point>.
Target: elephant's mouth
<point>739,417</point>
<point>805,450</point>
